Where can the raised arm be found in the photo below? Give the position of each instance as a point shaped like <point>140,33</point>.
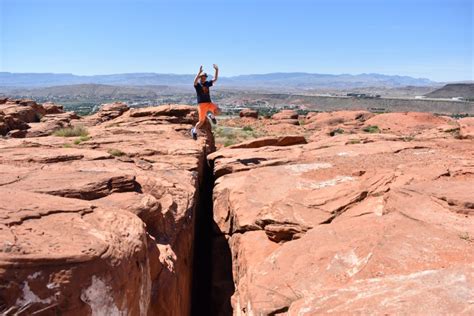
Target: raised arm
<point>216,73</point>
<point>197,76</point>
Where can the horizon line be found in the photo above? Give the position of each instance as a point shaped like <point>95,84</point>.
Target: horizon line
<point>249,74</point>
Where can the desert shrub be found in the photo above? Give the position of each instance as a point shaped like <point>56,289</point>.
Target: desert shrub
<point>354,141</point>
<point>228,142</point>
<point>336,131</point>
<point>67,145</point>
<point>116,152</point>
<point>72,131</point>
<point>408,138</point>
<point>247,129</point>
<point>81,139</point>
<point>371,129</point>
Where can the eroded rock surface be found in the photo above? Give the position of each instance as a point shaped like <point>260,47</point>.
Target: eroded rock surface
<point>365,223</point>
<point>249,113</point>
<point>26,118</point>
<point>102,225</point>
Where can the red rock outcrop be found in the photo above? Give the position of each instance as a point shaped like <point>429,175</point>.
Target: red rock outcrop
<point>104,225</point>
<point>107,112</point>
<point>251,113</point>
<point>271,141</point>
<point>26,118</point>
<point>405,123</point>
<point>286,116</point>
<point>336,118</point>
<point>52,108</point>
<point>466,126</point>
<point>359,223</point>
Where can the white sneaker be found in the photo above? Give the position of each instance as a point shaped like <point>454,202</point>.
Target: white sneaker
<point>212,118</point>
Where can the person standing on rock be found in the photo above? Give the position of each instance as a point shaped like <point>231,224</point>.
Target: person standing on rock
<point>205,105</point>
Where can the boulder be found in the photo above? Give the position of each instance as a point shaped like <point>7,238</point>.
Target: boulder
<point>285,115</point>
<point>251,113</point>
<point>14,123</point>
<point>108,112</point>
<point>39,120</point>
<point>52,108</point>
<point>38,108</point>
<point>170,113</point>
<point>17,133</point>
<point>24,113</point>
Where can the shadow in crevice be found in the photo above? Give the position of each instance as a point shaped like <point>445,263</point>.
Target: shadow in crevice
<point>222,278</point>
<point>212,271</point>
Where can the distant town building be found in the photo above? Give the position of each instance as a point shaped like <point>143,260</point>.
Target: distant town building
<point>363,95</point>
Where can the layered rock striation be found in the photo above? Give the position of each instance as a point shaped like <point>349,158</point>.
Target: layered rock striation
<point>102,225</point>
<point>356,223</point>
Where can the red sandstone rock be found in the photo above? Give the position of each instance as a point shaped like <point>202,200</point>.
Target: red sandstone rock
<point>52,108</point>
<point>381,225</point>
<point>22,115</point>
<point>285,115</point>
<point>271,141</point>
<point>251,113</point>
<point>17,133</point>
<point>405,123</point>
<point>107,112</point>
<point>63,256</point>
<point>79,225</point>
<point>466,126</point>
<point>338,117</point>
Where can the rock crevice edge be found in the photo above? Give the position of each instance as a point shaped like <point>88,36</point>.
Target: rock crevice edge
<point>105,225</point>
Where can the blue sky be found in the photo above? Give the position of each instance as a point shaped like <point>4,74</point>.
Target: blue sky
<point>420,38</point>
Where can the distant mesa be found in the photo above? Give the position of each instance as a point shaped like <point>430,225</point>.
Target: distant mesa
<point>454,90</point>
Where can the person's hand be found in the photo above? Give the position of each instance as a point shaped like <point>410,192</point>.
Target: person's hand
<point>215,67</point>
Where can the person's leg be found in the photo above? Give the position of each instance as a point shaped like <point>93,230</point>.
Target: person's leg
<point>202,118</point>
<point>214,110</point>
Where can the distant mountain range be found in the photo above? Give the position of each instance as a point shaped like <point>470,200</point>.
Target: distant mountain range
<point>297,80</point>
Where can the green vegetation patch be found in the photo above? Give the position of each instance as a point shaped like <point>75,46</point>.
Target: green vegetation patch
<point>229,142</point>
<point>354,141</point>
<point>465,236</point>
<point>116,152</point>
<point>82,139</point>
<point>371,129</point>
<point>336,131</point>
<point>226,135</point>
<point>72,131</point>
